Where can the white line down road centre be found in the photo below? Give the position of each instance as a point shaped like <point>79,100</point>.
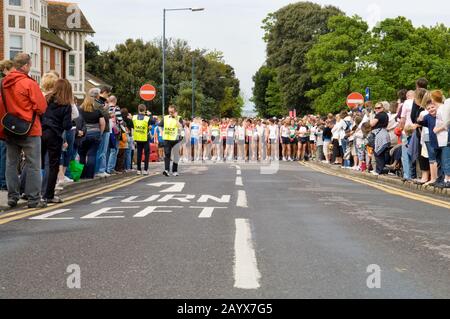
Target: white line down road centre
<point>246,273</point>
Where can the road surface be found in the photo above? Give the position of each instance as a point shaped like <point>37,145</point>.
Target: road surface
<point>227,231</point>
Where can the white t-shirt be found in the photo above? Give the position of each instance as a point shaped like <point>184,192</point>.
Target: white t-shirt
<point>406,112</point>
<point>285,132</point>
<point>440,115</point>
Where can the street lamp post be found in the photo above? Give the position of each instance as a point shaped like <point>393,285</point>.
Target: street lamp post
<point>193,87</point>
<point>164,51</point>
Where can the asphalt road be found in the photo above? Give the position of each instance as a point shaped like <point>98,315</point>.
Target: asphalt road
<point>293,234</point>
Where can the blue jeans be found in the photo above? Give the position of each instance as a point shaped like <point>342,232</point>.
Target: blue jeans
<point>112,157</point>
<point>2,165</point>
<point>446,160</point>
<point>69,154</point>
<point>100,166</point>
<point>31,146</point>
<point>128,159</point>
<point>406,163</point>
<point>88,153</point>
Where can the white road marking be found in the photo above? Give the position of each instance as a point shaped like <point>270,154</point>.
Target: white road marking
<point>239,181</point>
<point>178,197</point>
<point>48,215</point>
<point>239,172</point>
<point>176,188</point>
<point>206,198</point>
<point>110,210</point>
<point>153,209</point>
<point>104,199</point>
<point>242,199</point>
<point>207,211</point>
<point>246,273</point>
<point>150,199</point>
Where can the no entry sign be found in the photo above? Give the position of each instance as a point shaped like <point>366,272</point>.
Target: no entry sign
<point>354,100</point>
<point>147,92</point>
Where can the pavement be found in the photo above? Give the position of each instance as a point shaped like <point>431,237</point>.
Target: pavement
<point>230,231</point>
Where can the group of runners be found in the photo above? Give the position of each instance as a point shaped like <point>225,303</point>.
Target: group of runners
<point>247,139</point>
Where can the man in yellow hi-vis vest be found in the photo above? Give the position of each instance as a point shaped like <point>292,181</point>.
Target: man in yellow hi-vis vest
<point>172,125</point>
<point>141,126</point>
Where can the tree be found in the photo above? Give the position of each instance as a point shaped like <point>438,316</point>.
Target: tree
<point>334,61</point>
<point>391,57</point>
<point>274,99</point>
<point>135,62</point>
<point>184,100</point>
<point>262,78</point>
<point>290,33</point>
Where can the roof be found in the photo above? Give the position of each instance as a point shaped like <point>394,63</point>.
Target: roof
<point>50,37</point>
<point>95,81</point>
<point>60,12</point>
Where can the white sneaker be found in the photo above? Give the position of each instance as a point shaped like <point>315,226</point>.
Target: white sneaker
<point>59,187</point>
<point>67,180</point>
<point>176,174</point>
<point>290,159</point>
<point>284,159</point>
<point>139,172</point>
<point>375,173</point>
<point>146,173</point>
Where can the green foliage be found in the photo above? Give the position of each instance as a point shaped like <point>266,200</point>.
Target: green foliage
<point>135,62</point>
<point>393,56</point>
<point>290,33</point>
<point>262,78</point>
<point>319,65</point>
<point>274,99</point>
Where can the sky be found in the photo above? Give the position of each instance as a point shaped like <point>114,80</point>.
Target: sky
<point>231,26</point>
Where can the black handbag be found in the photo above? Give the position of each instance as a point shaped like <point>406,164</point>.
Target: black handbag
<point>15,126</point>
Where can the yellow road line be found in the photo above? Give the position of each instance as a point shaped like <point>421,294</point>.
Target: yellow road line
<point>385,188</point>
<point>67,199</point>
<point>74,199</point>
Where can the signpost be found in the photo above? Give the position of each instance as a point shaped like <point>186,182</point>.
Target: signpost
<point>355,100</point>
<point>147,92</point>
<point>367,97</point>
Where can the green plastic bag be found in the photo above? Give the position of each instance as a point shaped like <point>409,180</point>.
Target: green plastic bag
<point>76,169</point>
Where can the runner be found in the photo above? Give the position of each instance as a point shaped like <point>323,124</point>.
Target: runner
<point>285,140</point>
<point>206,140</point>
<point>240,133</point>
<point>303,140</point>
<point>231,132</point>
<point>216,140</point>
<point>195,140</point>
<point>272,139</point>
<point>293,141</point>
<point>186,143</point>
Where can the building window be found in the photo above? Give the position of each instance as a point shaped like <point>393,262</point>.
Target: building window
<point>17,3</point>
<point>11,21</point>
<point>58,66</point>
<point>46,59</point>
<point>72,65</point>
<point>22,23</point>
<point>15,45</point>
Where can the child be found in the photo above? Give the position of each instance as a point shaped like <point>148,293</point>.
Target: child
<point>123,147</point>
<point>363,149</point>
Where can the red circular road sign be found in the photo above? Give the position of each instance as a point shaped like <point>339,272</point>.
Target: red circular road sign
<point>354,100</point>
<point>147,92</point>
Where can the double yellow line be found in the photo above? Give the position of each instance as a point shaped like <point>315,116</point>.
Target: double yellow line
<point>385,188</point>
<point>16,215</point>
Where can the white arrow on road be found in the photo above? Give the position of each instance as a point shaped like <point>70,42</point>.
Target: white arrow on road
<point>176,188</point>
